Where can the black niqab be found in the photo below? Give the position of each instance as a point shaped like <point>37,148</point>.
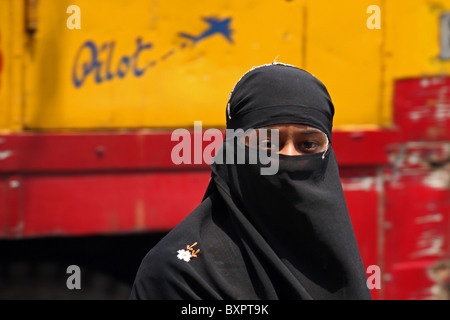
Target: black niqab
<point>281,236</point>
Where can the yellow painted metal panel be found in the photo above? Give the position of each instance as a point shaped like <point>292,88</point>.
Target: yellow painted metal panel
<point>137,64</point>
<point>153,64</point>
<point>347,56</point>
<point>412,39</point>
<point>11,70</point>
<point>4,43</point>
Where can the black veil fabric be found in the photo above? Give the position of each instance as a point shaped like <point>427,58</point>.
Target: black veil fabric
<point>281,236</point>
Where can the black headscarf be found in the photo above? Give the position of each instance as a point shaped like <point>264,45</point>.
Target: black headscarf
<point>281,236</point>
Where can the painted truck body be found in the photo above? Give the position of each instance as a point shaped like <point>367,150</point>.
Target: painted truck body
<point>86,116</point>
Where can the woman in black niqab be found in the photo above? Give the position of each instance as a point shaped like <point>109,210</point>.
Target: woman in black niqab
<point>286,235</point>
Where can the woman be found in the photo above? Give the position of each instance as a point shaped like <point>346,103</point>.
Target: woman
<point>286,235</point>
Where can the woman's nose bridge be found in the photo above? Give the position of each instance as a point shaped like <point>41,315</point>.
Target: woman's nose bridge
<point>289,148</point>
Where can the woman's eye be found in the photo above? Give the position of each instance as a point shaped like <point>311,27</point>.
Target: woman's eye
<point>310,145</point>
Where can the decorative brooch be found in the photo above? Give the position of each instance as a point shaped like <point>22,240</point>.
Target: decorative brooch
<point>189,253</point>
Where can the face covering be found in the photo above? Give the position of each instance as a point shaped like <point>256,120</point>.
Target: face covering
<point>286,235</point>
<point>300,211</point>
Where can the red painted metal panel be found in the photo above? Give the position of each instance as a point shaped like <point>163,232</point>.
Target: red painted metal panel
<point>86,151</point>
<point>362,200</point>
<point>76,174</point>
<point>413,197</point>
<point>4,216</point>
<point>417,234</point>
<point>422,108</point>
<point>80,204</point>
<point>14,204</point>
<point>149,150</point>
<point>91,183</point>
<point>363,148</point>
<point>417,192</point>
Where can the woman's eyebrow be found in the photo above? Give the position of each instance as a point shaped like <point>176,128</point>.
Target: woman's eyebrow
<point>311,131</point>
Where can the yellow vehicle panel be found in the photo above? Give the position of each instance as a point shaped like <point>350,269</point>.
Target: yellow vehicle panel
<point>150,73</point>
<point>149,64</point>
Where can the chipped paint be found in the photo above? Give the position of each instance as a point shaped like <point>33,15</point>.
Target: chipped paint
<point>438,179</point>
<point>429,244</point>
<point>439,163</point>
<point>362,184</point>
<point>439,273</point>
<point>435,217</point>
<point>5,154</point>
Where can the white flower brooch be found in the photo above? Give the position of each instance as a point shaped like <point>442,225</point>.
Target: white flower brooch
<point>189,253</point>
